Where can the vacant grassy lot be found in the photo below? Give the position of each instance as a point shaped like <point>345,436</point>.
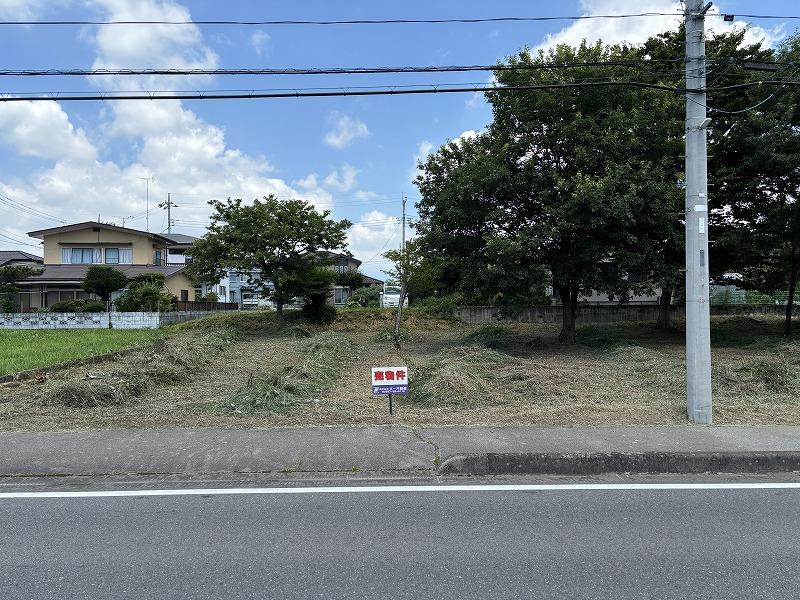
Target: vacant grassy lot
<point>21,350</point>
<point>242,370</point>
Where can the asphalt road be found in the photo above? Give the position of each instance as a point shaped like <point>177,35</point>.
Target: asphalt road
<point>609,544</point>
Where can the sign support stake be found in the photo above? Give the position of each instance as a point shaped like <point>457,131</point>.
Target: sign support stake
<point>391,408</point>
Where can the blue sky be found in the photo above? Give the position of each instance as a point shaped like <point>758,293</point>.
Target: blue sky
<point>73,161</point>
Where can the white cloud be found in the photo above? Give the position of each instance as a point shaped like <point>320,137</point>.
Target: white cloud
<point>346,129</point>
<point>308,182</point>
<point>475,100</point>
<point>638,30</point>
<point>20,10</point>
<point>43,129</point>
<point>469,134</point>
<point>423,150</point>
<point>342,179</point>
<point>187,155</point>
<point>374,233</point>
<point>366,195</point>
<point>154,46</point>
<point>259,41</point>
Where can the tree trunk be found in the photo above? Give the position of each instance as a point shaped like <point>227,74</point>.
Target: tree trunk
<point>794,272</point>
<point>278,302</point>
<point>569,313</point>
<point>664,306</point>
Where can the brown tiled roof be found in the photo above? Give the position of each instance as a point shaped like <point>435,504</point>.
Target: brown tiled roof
<point>78,272</point>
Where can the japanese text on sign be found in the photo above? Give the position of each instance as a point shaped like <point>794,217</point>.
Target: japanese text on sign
<point>390,380</point>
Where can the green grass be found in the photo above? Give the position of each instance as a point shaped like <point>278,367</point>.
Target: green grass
<point>21,350</point>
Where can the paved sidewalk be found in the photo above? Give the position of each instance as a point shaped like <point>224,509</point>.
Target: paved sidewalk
<point>454,450</point>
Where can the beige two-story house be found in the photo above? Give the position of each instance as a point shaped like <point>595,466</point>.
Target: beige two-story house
<point>70,250</point>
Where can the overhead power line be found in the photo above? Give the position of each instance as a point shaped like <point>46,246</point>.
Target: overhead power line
<point>351,21</point>
<point>334,70</point>
<point>360,91</point>
<point>13,240</point>
<point>320,93</point>
<point>30,210</point>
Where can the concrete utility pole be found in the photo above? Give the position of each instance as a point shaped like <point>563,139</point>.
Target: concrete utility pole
<point>168,205</point>
<point>698,312</point>
<point>169,212</point>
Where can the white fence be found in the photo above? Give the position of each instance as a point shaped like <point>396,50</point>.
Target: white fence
<point>119,320</point>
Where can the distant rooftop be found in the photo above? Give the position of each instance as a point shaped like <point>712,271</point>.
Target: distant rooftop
<point>180,238</point>
<point>40,233</point>
<point>7,256</point>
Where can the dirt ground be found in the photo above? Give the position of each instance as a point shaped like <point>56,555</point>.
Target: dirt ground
<point>236,375</point>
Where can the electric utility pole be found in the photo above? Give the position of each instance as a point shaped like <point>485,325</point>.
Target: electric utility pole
<point>698,312</point>
<point>168,205</point>
<point>147,181</point>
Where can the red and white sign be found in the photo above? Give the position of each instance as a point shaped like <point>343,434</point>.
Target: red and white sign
<point>390,380</point>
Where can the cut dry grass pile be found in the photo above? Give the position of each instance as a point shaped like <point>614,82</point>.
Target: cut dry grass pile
<point>463,377</point>
<point>168,361</point>
<point>754,377</point>
<point>321,360</point>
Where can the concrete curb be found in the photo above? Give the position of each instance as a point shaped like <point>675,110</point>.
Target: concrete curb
<point>617,462</point>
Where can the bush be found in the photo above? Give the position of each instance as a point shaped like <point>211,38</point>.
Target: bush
<point>319,312</point>
<point>366,297</point>
<point>146,292</point>
<point>76,306</point>
<point>441,306</point>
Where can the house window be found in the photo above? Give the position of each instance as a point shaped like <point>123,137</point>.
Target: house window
<point>112,256</point>
<point>157,260</point>
<point>82,256</point>
<point>222,293</point>
<point>340,295</point>
<point>184,295</point>
<point>340,268</point>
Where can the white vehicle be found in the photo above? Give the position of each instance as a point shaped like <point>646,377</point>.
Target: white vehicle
<point>390,296</point>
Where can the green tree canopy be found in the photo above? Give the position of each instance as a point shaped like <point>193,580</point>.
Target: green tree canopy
<point>281,240</point>
<point>9,276</point>
<point>755,170</point>
<point>560,185</point>
<point>104,281</point>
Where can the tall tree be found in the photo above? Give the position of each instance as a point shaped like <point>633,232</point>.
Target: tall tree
<point>563,180</point>
<point>757,145</point>
<point>280,240</point>
<point>728,59</point>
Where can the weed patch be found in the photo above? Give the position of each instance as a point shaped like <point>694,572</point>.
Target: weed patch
<point>601,338</point>
<point>493,337</point>
<point>321,359</point>
<point>463,377</point>
<point>166,362</point>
